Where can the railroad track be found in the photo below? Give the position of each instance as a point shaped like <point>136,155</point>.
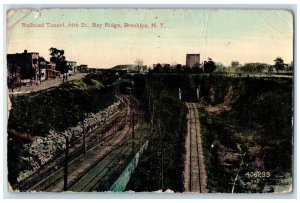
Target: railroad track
<point>100,177</point>
<point>195,174</point>
<point>53,170</point>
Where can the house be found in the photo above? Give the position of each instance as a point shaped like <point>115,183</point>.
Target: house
<point>71,67</point>
<point>24,66</point>
<point>83,68</point>
<point>52,73</point>
<point>42,69</point>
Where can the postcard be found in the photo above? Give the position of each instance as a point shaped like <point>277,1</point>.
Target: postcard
<point>150,100</point>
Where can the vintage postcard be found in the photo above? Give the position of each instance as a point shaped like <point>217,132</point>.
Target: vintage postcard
<point>150,100</point>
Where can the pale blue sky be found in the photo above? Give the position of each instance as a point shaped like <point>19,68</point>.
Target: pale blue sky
<point>223,35</point>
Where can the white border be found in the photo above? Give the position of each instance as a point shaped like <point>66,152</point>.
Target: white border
<point>137,4</point>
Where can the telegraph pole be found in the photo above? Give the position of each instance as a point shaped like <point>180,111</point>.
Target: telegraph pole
<point>66,165</point>
<point>162,167</point>
<point>84,128</point>
<point>179,92</point>
<point>28,148</point>
<point>132,121</point>
<point>133,125</point>
<point>83,137</point>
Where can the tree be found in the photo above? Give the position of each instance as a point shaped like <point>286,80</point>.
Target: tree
<point>220,67</point>
<point>209,66</point>
<point>196,68</point>
<point>166,68</point>
<point>139,64</point>
<point>254,67</point>
<point>235,64</point>
<point>57,57</point>
<point>178,68</point>
<point>291,66</point>
<point>270,69</point>
<point>157,68</point>
<point>279,64</point>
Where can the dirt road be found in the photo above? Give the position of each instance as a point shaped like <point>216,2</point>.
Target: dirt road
<point>44,85</point>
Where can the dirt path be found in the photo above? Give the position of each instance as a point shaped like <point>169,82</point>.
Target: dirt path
<point>195,177</point>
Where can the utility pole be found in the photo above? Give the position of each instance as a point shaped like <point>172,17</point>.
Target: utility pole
<point>83,137</point>
<point>162,168</point>
<point>179,91</point>
<point>140,119</point>
<point>28,148</point>
<point>12,82</point>
<point>83,128</point>
<point>133,125</point>
<point>132,121</point>
<point>66,165</point>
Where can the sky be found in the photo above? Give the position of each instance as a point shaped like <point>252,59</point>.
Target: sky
<point>223,35</point>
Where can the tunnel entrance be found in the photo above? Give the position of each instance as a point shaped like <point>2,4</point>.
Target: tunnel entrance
<point>189,94</point>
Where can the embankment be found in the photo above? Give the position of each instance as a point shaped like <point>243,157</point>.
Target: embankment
<point>247,131</point>
<point>53,110</point>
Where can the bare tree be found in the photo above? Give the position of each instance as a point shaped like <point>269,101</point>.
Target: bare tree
<point>139,64</point>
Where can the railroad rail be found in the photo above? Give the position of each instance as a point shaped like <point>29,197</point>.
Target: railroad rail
<point>195,174</point>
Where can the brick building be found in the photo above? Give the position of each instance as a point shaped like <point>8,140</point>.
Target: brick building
<point>23,66</point>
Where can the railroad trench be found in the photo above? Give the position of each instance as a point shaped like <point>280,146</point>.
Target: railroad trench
<point>109,150</point>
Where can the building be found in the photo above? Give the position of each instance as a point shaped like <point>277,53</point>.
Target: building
<point>82,68</point>
<point>71,67</point>
<point>192,60</point>
<point>23,65</point>
<point>52,73</point>
<point>42,69</point>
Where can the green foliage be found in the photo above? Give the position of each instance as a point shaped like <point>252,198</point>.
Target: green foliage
<point>54,109</point>
<point>57,57</point>
<point>59,108</point>
<point>279,64</point>
<point>162,163</point>
<point>254,68</point>
<point>209,66</point>
<point>220,68</point>
<point>269,110</point>
<point>261,116</point>
<point>235,64</point>
<point>291,66</point>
